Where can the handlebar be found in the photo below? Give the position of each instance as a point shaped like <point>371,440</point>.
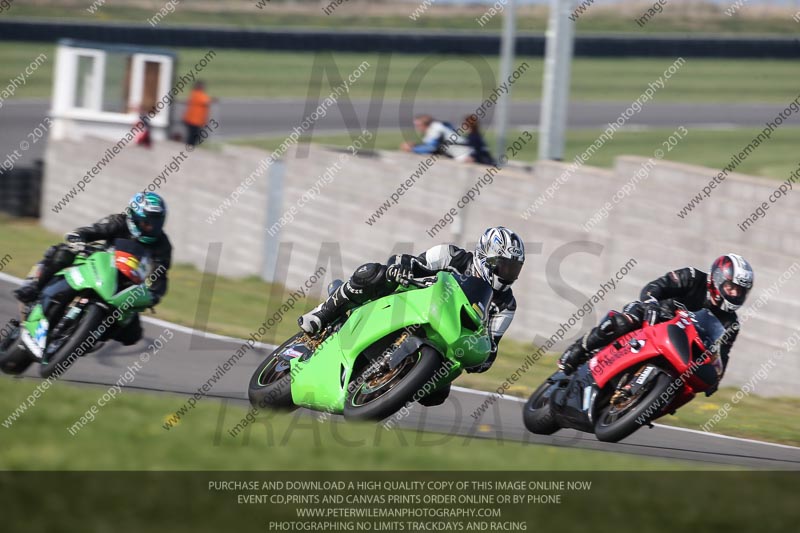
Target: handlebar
<point>656,313</point>
<point>86,247</point>
<point>422,283</point>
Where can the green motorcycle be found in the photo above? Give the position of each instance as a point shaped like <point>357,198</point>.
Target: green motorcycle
<point>405,347</point>
<point>79,309</point>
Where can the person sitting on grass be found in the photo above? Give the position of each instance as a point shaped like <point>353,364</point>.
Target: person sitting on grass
<point>480,153</point>
<point>438,138</point>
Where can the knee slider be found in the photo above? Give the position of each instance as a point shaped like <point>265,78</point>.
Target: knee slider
<point>608,326</point>
<point>61,256</point>
<point>368,275</point>
<point>635,309</point>
<point>366,283</point>
<point>625,322</point>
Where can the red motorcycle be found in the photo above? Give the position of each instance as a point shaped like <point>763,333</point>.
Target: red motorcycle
<point>636,379</point>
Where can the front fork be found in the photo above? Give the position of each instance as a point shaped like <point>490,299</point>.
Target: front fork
<point>630,387</point>
<point>627,387</point>
<point>72,313</point>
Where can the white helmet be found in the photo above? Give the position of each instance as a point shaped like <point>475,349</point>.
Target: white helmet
<point>499,256</point>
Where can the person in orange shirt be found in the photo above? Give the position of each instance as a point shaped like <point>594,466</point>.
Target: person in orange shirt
<point>197,111</point>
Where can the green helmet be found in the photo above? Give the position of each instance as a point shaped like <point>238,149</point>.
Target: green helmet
<point>145,215</point>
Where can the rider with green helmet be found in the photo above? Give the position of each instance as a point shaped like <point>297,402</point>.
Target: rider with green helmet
<point>142,221</point>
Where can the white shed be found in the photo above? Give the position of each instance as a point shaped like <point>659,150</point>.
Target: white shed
<point>103,89</point>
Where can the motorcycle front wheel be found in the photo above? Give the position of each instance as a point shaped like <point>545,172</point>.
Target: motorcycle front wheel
<point>271,383</point>
<point>615,422</point>
<point>379,394</point>
<point>77,341</point>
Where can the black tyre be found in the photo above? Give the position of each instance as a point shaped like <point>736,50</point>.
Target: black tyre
<point>537,415</point>
<point>381,395</point>
<point>77,344</point>
<point>14,357</point>
<point>271,383</point>
<point>614,424</point>
<point>436,398</point>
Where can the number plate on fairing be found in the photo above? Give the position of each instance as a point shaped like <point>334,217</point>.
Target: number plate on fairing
<point>644,375</point>
<point>31,344</point>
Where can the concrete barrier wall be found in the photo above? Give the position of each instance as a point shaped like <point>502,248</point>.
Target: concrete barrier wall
<point>566,265</point>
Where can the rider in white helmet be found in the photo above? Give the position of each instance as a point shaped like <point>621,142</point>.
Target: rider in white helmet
<point>498,259</point>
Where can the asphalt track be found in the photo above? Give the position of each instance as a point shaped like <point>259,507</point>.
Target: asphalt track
<point>277,117</point>
<point>190,358</point>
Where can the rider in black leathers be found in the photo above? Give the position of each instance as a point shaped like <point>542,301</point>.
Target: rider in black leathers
<point>722,292</point>
<point>143,221</point>
<point>498,258</point>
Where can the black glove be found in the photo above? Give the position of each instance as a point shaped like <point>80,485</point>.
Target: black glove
<point>75,241</point>
<point>654,312</point>
<point>402,271</point>
<point>74,237</point>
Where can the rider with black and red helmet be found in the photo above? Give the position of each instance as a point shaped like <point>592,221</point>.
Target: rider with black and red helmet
<point>722,291</point>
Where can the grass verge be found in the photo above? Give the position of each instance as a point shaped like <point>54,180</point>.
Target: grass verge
<point>695,17</point>
<point>268,74</point>
<point>126,434</point>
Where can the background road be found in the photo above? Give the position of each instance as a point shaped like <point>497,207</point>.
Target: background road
<point>190,359</point>
<point>277,117</point>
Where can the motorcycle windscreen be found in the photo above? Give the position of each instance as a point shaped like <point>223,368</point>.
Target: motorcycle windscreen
<point>129,260</point>
<point>709,328</point>
<point>710,331</point>
<point>679,341</point>
<point>478,292</point>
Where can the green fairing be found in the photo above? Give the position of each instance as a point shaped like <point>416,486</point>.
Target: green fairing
<point>317,382</point>
<point>36,314</point>
<point>97,273</point>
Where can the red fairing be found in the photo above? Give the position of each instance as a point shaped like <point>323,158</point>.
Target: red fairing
<point>653,341</point>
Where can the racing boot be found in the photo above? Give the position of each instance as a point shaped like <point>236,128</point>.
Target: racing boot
<point>325,313</point>
<point>611,327</point>
<point>29,291</point>
<point>573,357</point>
<point>582,349</point>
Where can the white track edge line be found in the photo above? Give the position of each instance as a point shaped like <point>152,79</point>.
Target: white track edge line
<point>728,437</point>
<point>164,323</point>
